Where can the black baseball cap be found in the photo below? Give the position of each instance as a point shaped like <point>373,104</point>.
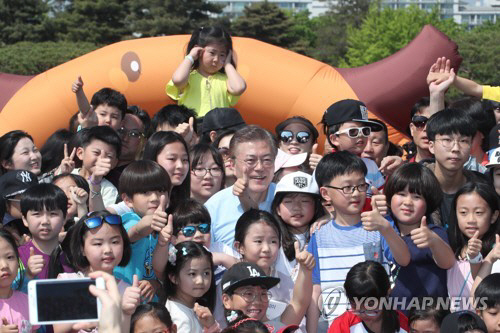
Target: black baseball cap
<point>297,120</point>
<point>222,119</point>
<point>246,274</point>
<point>16,182</point>
<point>348,110</point>
<point>450,322</point>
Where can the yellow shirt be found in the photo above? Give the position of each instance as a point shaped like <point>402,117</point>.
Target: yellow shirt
<point>491,93</point>
<point>203,93</point>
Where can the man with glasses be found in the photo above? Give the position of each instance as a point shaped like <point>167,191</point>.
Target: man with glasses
<point>252,150</point>
<point>419,116</point>
<point>450,135</point>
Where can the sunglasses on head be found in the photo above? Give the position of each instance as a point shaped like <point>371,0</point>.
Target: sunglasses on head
<point>96,221</point>
<point>190,230</point>
<point>419,121</point>
<point>301,137</point>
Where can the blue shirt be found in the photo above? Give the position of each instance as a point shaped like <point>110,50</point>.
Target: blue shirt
<point>141,259</point>
<point>336,249</point>
<point>225,209</point>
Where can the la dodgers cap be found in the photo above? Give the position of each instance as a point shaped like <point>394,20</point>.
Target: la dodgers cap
<point>246,274</point>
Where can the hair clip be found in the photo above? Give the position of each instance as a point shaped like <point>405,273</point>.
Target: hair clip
<point>232,316</point>
<point>184,251</point>
<point>242,321</point>
<point>172,254</point>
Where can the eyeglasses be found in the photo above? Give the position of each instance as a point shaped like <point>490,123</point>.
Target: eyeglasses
<point>350,189</point>
<point>134,134</point>
<point>266,162</point>
<point>250,296</point>
<point>356,132</point>
<point>201,172</point>
<point>301,137</point>
<point>369,313</point>
<point>448,143</point>
<point>224,151</point>
<point>96,221</point>
<point>190,230</point>
<point>419,121</point>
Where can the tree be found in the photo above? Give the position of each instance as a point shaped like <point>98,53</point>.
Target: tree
<point>28,58</point>
<point>23,20</point>
<point>302,31</point>
<point>149,18</point>
<point>479,49</point>
<point>96,21</point>
<point>266,22</point>
<point>385,31</point>
<point>331,29</point>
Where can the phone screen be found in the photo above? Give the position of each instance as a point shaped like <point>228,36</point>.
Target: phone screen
<point>65,300</point>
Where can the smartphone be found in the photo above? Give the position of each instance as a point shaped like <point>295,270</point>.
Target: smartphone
<point>58,301</point>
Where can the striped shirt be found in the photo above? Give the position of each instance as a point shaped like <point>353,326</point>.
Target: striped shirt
<point>336,249</point>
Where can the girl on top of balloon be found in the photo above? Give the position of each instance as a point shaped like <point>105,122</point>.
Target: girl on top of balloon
<point>207,77</point>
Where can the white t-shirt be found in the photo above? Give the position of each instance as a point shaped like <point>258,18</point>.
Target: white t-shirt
<point>183,317</point>
<point>109,192</point>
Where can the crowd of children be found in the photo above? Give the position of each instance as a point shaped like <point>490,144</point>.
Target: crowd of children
<point>209,224</point>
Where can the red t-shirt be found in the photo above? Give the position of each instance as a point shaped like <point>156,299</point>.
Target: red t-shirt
<point>350,323</point>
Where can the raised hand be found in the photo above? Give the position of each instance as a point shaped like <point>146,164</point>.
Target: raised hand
<point>166,233</point>
<point>423,237</point>
<point>379,199</point>
<point>68,163</point>
<point>186,130</point>
<point>204,315</point>
<point>147,290</point>
<point>77,85</point>
<point>79,196</point>
<point>159,220</point>
<point>314,158</point>
<point>389,164</point>
<point>196,52</point>
<point>474,245</point>
<point>304,258</point>
<point>240,189</point>
<point>6,327</point>
<point>229,56</point>
<point>373,220</point>
<point>35,264</point>
<point>131,297</point>
<point>102,167</point>
<point>494,254</point>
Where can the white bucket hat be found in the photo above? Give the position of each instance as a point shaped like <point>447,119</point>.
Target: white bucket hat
<point>297,182</point>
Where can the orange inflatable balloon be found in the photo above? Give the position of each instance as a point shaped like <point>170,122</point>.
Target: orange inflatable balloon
<point>280,83</point>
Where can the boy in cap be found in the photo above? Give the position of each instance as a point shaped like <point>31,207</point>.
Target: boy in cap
<point>12,185</point>
<point>219,120</point>
<point>245,287</point>
<point>346,126</point>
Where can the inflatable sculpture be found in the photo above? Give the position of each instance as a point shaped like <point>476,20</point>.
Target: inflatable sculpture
<point>280,83</point>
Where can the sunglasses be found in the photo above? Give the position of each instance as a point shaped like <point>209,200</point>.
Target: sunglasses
<point>355,132</point>
<point>190,230</point>
<point>419,121</point>
<point>301,137</point>
<point>97,221</point>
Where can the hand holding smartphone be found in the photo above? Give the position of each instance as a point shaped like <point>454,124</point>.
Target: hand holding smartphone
<point>58,301</point>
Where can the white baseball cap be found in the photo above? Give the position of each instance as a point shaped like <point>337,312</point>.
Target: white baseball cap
<point>297,182</point>
<point>494,158</point>
<point>285,160</point>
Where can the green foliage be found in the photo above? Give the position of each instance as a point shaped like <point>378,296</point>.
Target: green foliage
<point>23,20</point>
<point>28,58</point>
<point>266,22</point>
<point>480,49</point>
<point>385,31</point>
<point>149,18</point>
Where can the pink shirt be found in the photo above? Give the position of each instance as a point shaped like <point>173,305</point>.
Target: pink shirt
<point>16,310</point>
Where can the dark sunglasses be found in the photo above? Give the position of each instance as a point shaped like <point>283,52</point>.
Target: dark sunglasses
<point>190,230</point>
<point>301,137</point>
<point>419,121</point>
<point>96,221</point>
